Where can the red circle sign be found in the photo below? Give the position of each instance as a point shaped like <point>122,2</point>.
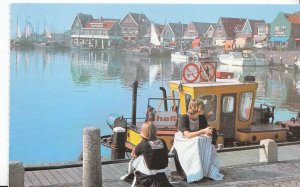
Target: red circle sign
<point>190,73</point>
<point>209,70</point>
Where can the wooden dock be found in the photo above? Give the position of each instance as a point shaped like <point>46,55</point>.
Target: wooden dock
<point>111,173</point>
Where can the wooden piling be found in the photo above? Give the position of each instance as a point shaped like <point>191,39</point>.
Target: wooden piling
<point>134,98</point>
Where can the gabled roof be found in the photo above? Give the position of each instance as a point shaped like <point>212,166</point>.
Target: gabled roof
<point>139,18</point>
<point>158,29</point>
<point>253,23</point>
<point>84,18</point>
<point>202,27</point>
<point>293,18</point>
<point>101,23</point>
<point>231,25</point>
<point>178,28</point>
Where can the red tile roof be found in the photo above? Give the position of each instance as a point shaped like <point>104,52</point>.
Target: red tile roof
<point>293,18</point>
<point>100,24</point>
<point>231,24</point>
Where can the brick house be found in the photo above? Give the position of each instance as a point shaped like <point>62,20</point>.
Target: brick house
<point>95,33</point>
<point>226,30</point>
<point>134,26</point>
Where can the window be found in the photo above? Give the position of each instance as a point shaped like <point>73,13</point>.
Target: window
<point>187,98</point>
<point>210,104</point>
<point>175,95</point>
<point>280,30</point>
<point>261,30</point>
<point>245,105</point>
<point>227,106</point>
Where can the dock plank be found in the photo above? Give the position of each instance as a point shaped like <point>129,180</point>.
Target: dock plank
<point>65,175</point>
<point>118,169</point>
<point>58,177</point>
<point>74,175</point>
<point>27,181</point>
<point>78,171</point>
<point>34,180</point>
<point>110,174</point>
<point>41,178</point>
<point>49,176</point>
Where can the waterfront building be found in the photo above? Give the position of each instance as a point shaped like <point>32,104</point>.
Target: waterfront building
<point>134,27</point>
<point>172,34</point>
<point>99,33</point>
<point>261,34</point>
<point>202,31</point>
<point>246,32</point>
<point>226,30</point>
<point>285,31</point>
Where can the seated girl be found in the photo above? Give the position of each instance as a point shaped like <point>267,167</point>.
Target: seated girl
<point>195,155</point>
<point>150,159</point>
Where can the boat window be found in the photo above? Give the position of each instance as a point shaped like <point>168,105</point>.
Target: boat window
<point>245,106</point>
<point>210,104</point>
<point>175,95</point>
<point>228,103</point>
<point>187,98</point>
<point>246,55</point>
<point>260,55</point>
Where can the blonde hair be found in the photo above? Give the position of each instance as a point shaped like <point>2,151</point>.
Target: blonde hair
<point>148,131</point>
<point>194,106</point>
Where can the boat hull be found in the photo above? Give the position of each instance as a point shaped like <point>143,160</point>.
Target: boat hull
<point>255,133</point>
<point>229,60</point>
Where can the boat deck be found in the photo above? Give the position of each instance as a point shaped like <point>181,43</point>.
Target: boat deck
<point>239,168</point>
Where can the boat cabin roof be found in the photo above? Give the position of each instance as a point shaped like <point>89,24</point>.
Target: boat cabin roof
<point>219,82</point>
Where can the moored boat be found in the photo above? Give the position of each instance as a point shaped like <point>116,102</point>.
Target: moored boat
<point>191,55</point>
<point>243,59</point>
<point>230,100</point>
<point>182,56</point>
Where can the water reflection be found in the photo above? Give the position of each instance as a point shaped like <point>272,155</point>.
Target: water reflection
<point>57,93</point>
<point>88,65</point>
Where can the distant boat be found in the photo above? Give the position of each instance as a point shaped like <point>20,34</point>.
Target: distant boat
<point>182,56</point>
<point>191,55</point>
<point>243,59</point>
<point>25,39</point>
<point>156,48</point>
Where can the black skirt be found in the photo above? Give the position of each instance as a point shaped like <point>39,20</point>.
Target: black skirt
<point>157,180</point>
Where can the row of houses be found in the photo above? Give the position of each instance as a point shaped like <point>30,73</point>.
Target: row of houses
<point>134,29</point>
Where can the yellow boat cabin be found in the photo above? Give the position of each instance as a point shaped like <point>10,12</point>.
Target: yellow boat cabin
<point>230,105</point>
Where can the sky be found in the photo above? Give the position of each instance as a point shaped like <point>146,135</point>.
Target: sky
<point>59,17</point>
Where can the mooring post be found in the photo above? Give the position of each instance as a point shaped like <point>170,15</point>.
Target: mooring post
<point>270,151</point>
<point>16,174</point>
<point>134,98</point>
<point>91,165</point>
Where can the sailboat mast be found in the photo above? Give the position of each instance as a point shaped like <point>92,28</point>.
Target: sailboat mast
<point>181,37</point>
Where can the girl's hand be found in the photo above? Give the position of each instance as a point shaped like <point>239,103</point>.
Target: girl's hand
<point>133,153</point>
<point>208,131</point>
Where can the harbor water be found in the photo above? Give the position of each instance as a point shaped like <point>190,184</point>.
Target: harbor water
<point>55,94</point>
